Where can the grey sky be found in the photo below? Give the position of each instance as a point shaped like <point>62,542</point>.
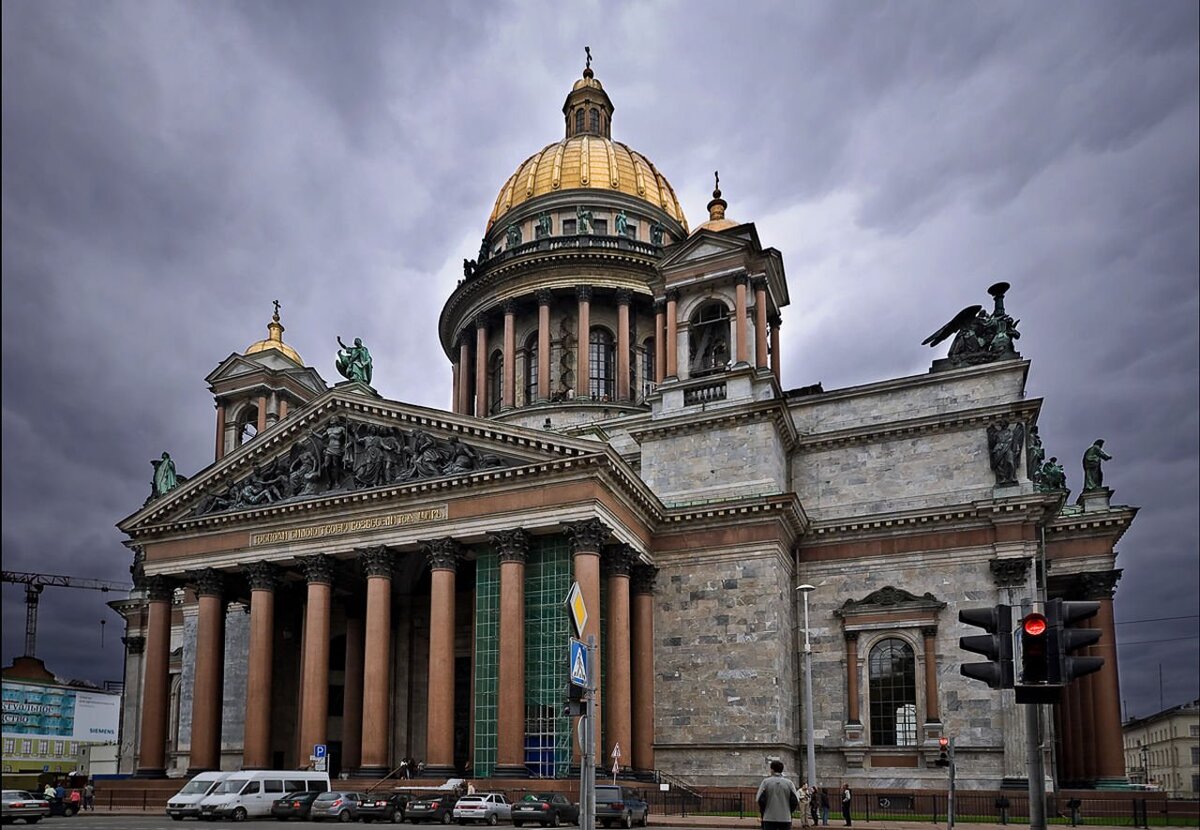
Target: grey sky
<point>169,169</point>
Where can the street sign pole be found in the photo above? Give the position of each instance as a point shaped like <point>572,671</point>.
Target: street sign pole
<point>1037,775</point>
<point>587,757</point>
<point>950,804</point>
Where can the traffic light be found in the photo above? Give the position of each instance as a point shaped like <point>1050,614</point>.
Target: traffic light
<point>1035,651</point>
<point>1064,640</point>
<point>944,755</point>
<point>996,645</point>
<point>575,705</point>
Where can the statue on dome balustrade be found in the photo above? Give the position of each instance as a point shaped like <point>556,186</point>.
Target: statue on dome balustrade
<point>656,234</point>
<point>543,225</point>
<point>512,236</point>
<point>583,220</point>
<point>621,223</point>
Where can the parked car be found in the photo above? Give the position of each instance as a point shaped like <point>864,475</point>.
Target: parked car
<point>436,808</point>
<point>547,809</point>
<point>252,793</point>
<point>296,804</point>
<point>341,805</point>
<point>20,804</point>
<point>485,807</point>
<point>383,807</point>
<point>186,802</point>
<point>620,805</point>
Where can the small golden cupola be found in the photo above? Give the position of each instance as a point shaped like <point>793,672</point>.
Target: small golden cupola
<point>716,210</point>
<point>275,340</point>
<point>588,109</point>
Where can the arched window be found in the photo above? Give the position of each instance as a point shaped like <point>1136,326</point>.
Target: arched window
<point>601,369</point>
<point>495,381</point>
<point>247,424</point>
<point>531,369</point>
<point>708,339</point>
<point>893,690</point>
<point>648,367</point>
<point>594,120</point>
<point>578,120</point>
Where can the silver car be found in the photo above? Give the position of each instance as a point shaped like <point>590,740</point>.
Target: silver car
<point>341,805</point>
<point>487,807</point>
<point>20,804</point>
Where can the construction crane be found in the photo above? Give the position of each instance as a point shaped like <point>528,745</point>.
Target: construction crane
<point>36,583</point>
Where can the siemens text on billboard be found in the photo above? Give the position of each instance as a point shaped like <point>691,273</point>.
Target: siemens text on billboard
<point>60,712</point>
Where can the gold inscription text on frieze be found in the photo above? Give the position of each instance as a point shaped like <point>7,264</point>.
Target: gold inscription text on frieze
<point>300,534</point>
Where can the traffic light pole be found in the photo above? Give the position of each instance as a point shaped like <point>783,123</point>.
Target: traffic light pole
<point>950,800</point>
<point>587,754</point>
<point>1033,763</point>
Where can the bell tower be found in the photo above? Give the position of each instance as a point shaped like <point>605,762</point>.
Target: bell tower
<point>257,388</point>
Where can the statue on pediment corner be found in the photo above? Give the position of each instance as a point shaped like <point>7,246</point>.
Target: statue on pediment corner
<point>354,362</point>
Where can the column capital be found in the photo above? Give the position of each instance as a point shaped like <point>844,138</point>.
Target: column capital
<point>758,283</point>
<point>544,296</point>
<point>587,536</point>
<point>642,579</point>
<point>1010,573</point>
<point>465,338</point>
<point>929,632</point>
<point>509,307</point>
<point>442,554</point>
<point>624,296</point>
<point>618,559</point>
<point>742,279</point>
<point>262,576</point>
<point>377,560</point>
<point>851,636</point>
<point>159,588</point>
<point>1099,585</point>
<point>510,545</point>
<point>481,321</point>
<point>660,305</point>
<point>134,644</point>
<point>672,295</point>
<point>208,582</point>
<point>583,293</point>
<point>775,320</point>
<point>318,569</point>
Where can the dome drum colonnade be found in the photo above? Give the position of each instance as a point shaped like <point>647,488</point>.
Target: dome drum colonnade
<point>628,691</point>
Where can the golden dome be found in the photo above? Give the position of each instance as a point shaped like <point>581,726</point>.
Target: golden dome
<point>275,340</point>
<point>588,162</point>
<point>716,212</point>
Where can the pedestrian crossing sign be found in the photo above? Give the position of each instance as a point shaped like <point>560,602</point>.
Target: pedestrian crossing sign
<point>578,663</point>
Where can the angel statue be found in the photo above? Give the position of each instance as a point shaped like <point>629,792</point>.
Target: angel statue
<point>165,478</point>
<point>1004,450</point>
<point>979,337</point>
<point>354,362</point>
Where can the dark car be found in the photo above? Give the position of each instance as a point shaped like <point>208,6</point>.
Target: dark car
<point>294,805</point>
<point>545,809</point>
<point>620,805</point>
<point>382,807</point>
<point>436,808</point>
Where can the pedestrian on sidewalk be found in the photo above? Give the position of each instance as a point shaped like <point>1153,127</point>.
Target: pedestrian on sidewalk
<point>846,803</point>
<point>824,807</point>
<point>89,796</point>
<point>813,807</point>
<point>777,799</point>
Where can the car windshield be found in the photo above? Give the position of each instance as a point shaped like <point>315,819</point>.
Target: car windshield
<point>196,787</point>
<point>230,785</point>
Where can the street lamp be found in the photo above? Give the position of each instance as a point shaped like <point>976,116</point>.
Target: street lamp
<point>805,590</point>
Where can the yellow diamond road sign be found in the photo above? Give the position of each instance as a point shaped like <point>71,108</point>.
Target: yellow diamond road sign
<point>578,610</point>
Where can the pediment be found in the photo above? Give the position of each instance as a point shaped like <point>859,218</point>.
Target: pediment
<point>348,441</point>
<point>889,599</point>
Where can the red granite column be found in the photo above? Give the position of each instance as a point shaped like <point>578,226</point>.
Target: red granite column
<point>314,669</point>
<point>583,384</point>
<point>508,394</point>
<point>624,298</point>
<point>511,546</point>
<point>443,556</point>
<point>1106,712</point>
<point>660,341</point>
<point>742,330</point>
<point>152,751</point>
<point>776,322</point>
<point>543,379</point>
<point>619,561</point>
<point>352,702</point>
<point>464,374</point>
<point>760,323</point>
<point>587,537</point>
<point>455,387</point>
<point>262,415</point>
<point>481,359</point>
<point>672,344</point>
<point>220,432</point>
<point>852,677</point>
<point>642,646</point>
<point>1078,726</point>
<point>205,751</point>
<point>283,408</point>
<point>377,667</point>
<point>932,714</point>
<point>263,578</point>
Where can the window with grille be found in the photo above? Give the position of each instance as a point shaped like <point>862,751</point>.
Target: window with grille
<point>495,382</point>
<point>547,732</point>
<point>579,121</point>
<point>487,666</point>
<point>648,368</point>
<point>708,339</point>
<point>601,357</point>
<point>594,120</point>
<point>531,368</point>
<point>893,692</point>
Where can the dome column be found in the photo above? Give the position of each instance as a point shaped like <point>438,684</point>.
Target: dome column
<point>672,344</point>
<point>543,378</point>
<point>776,322</point>
<point>660,341</point>
<point>508,398</point>
<point>760,323</point>
<point>463,406</point>
<point>481,397</point>
<point>583,381</point>
<point>743,338</point>
<point>624,298</point>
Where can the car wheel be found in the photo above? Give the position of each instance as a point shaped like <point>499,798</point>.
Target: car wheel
<point>397,818</point>
<point>554,822</point>
<point>239,814</point>
<point>646,818</point>
<point>345,817</point>
<point>447,818</point>
<point>627,820</point>
<point>493,819</point>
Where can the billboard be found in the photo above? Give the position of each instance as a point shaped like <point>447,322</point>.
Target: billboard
<point>60,712</point>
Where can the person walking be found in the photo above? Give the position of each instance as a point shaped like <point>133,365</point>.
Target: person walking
<point>89,796</point>
<point>777,798</point>
<point>813,806</point>
<point>846,803</point>
<point>804,802</point>
<point>824,807</point>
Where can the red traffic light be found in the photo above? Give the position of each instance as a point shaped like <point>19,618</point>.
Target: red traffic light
<point>1034,625</point>
<point>943,742</point>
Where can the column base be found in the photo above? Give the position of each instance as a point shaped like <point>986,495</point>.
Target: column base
<point>510,771</point>
<point>371,772</point>
<point>151,772</point>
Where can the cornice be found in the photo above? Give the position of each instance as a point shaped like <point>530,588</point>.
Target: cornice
<point>773,410</point>
<point>911,381</point>
<point>785,506</point>
<point>1112,522</point>
<point>1032,507</point>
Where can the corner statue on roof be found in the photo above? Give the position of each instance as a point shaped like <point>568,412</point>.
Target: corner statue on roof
<point>354,362</point>
<point>979,337</point>
<point>1093,474</point>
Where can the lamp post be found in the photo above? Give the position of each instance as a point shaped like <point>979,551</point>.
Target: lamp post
<point>805,590</point>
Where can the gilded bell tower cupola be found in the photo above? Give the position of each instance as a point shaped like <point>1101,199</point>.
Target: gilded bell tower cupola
<point>588,110</point>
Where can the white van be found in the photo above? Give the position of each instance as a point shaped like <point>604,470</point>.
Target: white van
<point>186,802</point>
<point>251,793</point>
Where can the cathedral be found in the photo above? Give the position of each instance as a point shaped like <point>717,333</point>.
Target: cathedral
<point>388,581</point>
